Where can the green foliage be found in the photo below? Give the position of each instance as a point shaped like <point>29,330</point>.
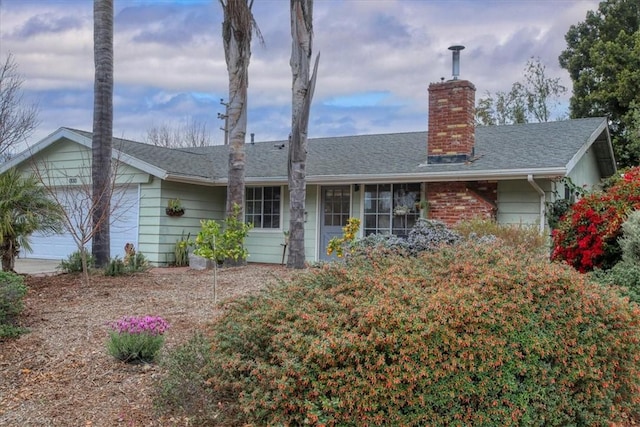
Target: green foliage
<point>73,263</point>
<point>115,267</point>
<point>132,264</point>
<point>174,208</point>
<point>624,274</point>
<point>181,250</point>
<point>471,334</point>
<point>630,241</point>
<point>560,206</point>
<point>627,272</point>
<point>134,347</point>
<point>603,61</point>
<point>530,101</point>
<point>136,263</point>
<point>137,338</point>
<point>223,242</point>
<point>182,389</point>
<point>24,209</point>
<point>12,291</point>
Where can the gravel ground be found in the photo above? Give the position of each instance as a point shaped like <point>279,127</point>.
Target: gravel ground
<point>60,374</point>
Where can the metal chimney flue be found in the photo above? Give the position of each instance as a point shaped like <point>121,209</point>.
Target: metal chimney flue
<point>455,65</point>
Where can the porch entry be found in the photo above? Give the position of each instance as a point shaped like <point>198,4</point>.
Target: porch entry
<point>335,206</point>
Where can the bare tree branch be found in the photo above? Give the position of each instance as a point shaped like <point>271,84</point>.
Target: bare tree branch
<point>72,190</point>
<point>193,133</point>
<point>17,119</point>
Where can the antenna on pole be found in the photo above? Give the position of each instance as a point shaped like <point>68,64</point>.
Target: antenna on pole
<point>225,116</point>
<point>455,65</point>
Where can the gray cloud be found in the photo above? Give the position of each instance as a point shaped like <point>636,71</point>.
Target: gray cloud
<point>169,59</point>
<point>46,24</point>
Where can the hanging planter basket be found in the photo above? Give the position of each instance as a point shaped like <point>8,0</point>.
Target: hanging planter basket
<point>174,212</point>
<point>401,210</point>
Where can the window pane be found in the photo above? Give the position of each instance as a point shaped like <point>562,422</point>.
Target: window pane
<point>263,206</point>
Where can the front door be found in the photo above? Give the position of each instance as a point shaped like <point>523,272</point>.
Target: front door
<point>335,208</point>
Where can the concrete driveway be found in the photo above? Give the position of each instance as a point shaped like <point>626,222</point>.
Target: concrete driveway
<point>36,266</point>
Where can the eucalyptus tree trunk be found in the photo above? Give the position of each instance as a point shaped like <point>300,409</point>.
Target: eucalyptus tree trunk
<point>302,94</point>
<point>102,128</point>
<point>237,29</point>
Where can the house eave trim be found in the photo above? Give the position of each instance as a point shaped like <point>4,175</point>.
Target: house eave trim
<point>497,175</point>
<point>191,180</point>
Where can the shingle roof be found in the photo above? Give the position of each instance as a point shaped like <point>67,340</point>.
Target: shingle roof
<point>499,151</point>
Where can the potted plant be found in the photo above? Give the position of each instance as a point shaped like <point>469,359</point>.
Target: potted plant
<point>174,208</point>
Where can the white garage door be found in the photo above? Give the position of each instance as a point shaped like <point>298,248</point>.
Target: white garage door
<point>124,226</point>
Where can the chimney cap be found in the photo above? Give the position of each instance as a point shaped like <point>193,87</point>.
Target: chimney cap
<point>455,66</point>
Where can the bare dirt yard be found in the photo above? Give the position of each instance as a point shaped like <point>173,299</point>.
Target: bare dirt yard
<point>60,374</point>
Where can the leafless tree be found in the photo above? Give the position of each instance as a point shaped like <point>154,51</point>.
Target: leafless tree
<point>302,93</point>
<point>72,190</point>
<point>192,133</point>
<point>18,120</point>
<point>102,125</point>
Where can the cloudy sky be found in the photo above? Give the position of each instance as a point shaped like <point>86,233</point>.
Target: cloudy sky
<point>377,59</point>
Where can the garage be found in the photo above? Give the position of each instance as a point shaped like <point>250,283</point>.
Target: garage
<point>124,224</point>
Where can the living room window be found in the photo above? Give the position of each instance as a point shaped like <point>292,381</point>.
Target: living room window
<point>391,208</point>
<point>263,207</point>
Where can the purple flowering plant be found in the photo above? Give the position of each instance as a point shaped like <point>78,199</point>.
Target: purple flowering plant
<point>152,325</point>
<point>137,338</point>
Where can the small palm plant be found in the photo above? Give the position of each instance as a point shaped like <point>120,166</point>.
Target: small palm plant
<point>24,209</point>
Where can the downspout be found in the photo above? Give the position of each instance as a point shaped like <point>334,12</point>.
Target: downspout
<point>542,201</point>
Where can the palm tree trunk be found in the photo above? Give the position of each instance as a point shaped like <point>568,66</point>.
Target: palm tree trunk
<point>237,30</point>
<point>302,93</point>
<point>7,249</point>
<point>102,128</point>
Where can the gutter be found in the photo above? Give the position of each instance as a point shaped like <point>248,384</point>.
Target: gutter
<point>542,202</point>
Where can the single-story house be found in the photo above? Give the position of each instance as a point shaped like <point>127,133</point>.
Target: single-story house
<point>452,172</point>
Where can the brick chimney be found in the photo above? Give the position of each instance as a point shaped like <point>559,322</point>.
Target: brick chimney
<point>451,136</point>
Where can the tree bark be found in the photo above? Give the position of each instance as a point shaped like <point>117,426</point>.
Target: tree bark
<point>302,94</point>
<point>9,253</point>
<point>102,128</point>
<point>237,29</point>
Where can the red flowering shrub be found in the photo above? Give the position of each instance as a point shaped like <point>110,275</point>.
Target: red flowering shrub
<point>587,234</point>
<point>468,335</point>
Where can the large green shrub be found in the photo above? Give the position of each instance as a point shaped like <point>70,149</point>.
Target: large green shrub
<point>12,291</point>
<point>471,334</point>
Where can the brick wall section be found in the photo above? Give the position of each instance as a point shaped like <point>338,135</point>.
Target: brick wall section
<point>451,119</point>
<point>452,202</point>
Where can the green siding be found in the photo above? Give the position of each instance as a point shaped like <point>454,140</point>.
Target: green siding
<point>266,245</point>
<point>586,173</point>
<point>519,203</point>
<point>160,232</point>
<point>67,163</point>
